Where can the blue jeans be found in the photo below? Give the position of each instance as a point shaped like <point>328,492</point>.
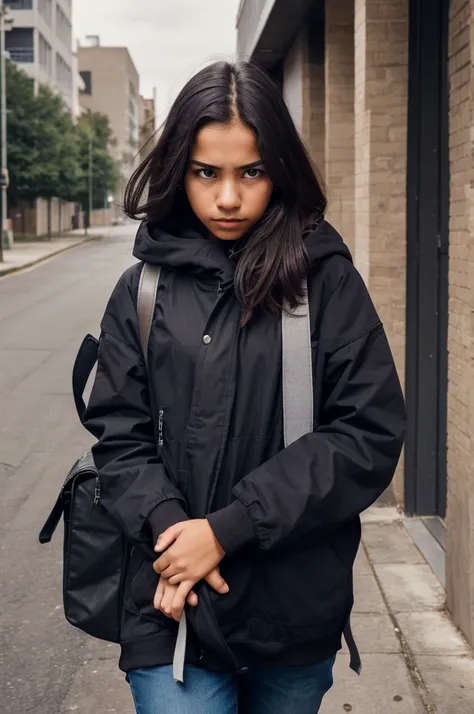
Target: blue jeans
<point>263,690</point>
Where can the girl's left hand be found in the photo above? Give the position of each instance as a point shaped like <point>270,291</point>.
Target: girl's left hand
<point>170,599</point>
<point>192,552</point>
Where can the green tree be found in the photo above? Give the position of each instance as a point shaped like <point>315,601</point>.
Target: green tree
<point>48,155</point>
<point>23,135</point>
<point>43,144</point>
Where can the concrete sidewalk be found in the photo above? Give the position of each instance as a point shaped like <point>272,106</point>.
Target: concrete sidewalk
<point>27,254</point>
<point>414,659</point>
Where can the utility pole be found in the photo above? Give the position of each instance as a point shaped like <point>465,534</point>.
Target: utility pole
<point>3,121</point>
<point>91,171</point>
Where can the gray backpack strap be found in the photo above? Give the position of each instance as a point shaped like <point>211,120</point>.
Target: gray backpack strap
<point>147,290</point>
<point>297,372</point>
<point>297,378</point>
<point>146,301</point>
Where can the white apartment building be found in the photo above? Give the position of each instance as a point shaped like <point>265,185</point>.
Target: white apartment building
<point>40,42</point>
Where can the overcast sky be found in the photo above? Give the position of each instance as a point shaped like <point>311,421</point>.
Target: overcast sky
<point>169,40</point>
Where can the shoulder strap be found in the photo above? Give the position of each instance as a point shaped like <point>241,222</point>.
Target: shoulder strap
<point>297,372</point>
<point>147,290</point>
<point>87,354</point>
<point>298,402</point>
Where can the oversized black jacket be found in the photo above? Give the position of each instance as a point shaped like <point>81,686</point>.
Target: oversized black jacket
<point>202,435</point>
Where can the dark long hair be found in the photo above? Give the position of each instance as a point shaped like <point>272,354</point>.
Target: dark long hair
<point>274,262</point>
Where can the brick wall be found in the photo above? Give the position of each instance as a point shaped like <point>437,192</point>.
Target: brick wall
<point>460,514</point>
<point>381,90</point>
<point>339,113</point>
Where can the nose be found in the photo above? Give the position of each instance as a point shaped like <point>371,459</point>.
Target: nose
<point>228,197</point>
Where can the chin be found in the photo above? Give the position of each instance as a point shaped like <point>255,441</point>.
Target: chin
<point>228,237</point>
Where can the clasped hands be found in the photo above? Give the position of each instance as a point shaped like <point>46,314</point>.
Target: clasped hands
<point>190,553</point>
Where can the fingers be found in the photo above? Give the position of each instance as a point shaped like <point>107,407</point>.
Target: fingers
<point>163,566</point>
<point>159,594</point>
<point>179,600</point>
<point>168,537</point>
<point>167,599</point>
<point>160,565</point>
<point>193,599</point>
<point>216,581</point>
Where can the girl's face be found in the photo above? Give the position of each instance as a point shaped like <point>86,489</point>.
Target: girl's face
<point>226,183</point>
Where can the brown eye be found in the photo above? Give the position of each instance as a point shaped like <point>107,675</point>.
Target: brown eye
<point>205,173</point>
<point>253,173</point>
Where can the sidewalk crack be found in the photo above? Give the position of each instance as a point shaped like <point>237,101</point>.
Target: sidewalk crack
<point>410,658</point>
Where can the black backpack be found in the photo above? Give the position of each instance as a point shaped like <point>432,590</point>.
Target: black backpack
<point>96,552</point>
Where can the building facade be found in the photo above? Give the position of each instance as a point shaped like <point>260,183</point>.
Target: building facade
<point>40,42</point>
<point>382,92</point>
<point>147,126</point>
<point>111,87</point>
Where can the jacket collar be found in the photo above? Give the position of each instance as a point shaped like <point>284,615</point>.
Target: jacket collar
<point>184,246</point>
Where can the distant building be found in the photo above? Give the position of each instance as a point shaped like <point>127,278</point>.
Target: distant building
<point>147,126</point>
<point>111,87</point>
<point>78,87</point>
<point>40,42</point>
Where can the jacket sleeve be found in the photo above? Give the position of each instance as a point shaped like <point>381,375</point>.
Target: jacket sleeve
<point>330,476</point>
<point>135,489</point>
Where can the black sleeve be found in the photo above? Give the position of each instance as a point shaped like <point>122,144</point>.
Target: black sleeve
<point>330,476</point>
<point>135,489</point>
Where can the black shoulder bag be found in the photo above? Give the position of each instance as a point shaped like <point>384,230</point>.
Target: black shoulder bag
<point>95,552</point>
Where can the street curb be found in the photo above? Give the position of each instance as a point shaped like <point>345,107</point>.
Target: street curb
<point>44,258</point>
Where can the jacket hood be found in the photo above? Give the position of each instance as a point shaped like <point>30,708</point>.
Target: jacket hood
<point>324,242</point>
<point>183,246</point>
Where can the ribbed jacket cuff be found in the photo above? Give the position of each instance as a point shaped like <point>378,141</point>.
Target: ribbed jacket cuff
<point>166,514</point>
<point>232,527</point>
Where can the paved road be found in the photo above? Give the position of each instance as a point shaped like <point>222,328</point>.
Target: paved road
<point>46,667</point>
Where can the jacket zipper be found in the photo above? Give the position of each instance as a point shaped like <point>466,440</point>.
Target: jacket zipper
<point>160,426</point>
<point>220,457</point>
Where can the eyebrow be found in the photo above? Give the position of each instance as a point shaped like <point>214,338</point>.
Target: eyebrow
<point>203,165</point>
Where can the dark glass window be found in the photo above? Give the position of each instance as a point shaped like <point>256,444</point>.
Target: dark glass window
<point>19,43</point>
<point>87,79</point>
<point>19,4</point>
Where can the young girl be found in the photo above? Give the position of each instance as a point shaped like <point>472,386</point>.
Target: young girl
<point>253,542</point>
